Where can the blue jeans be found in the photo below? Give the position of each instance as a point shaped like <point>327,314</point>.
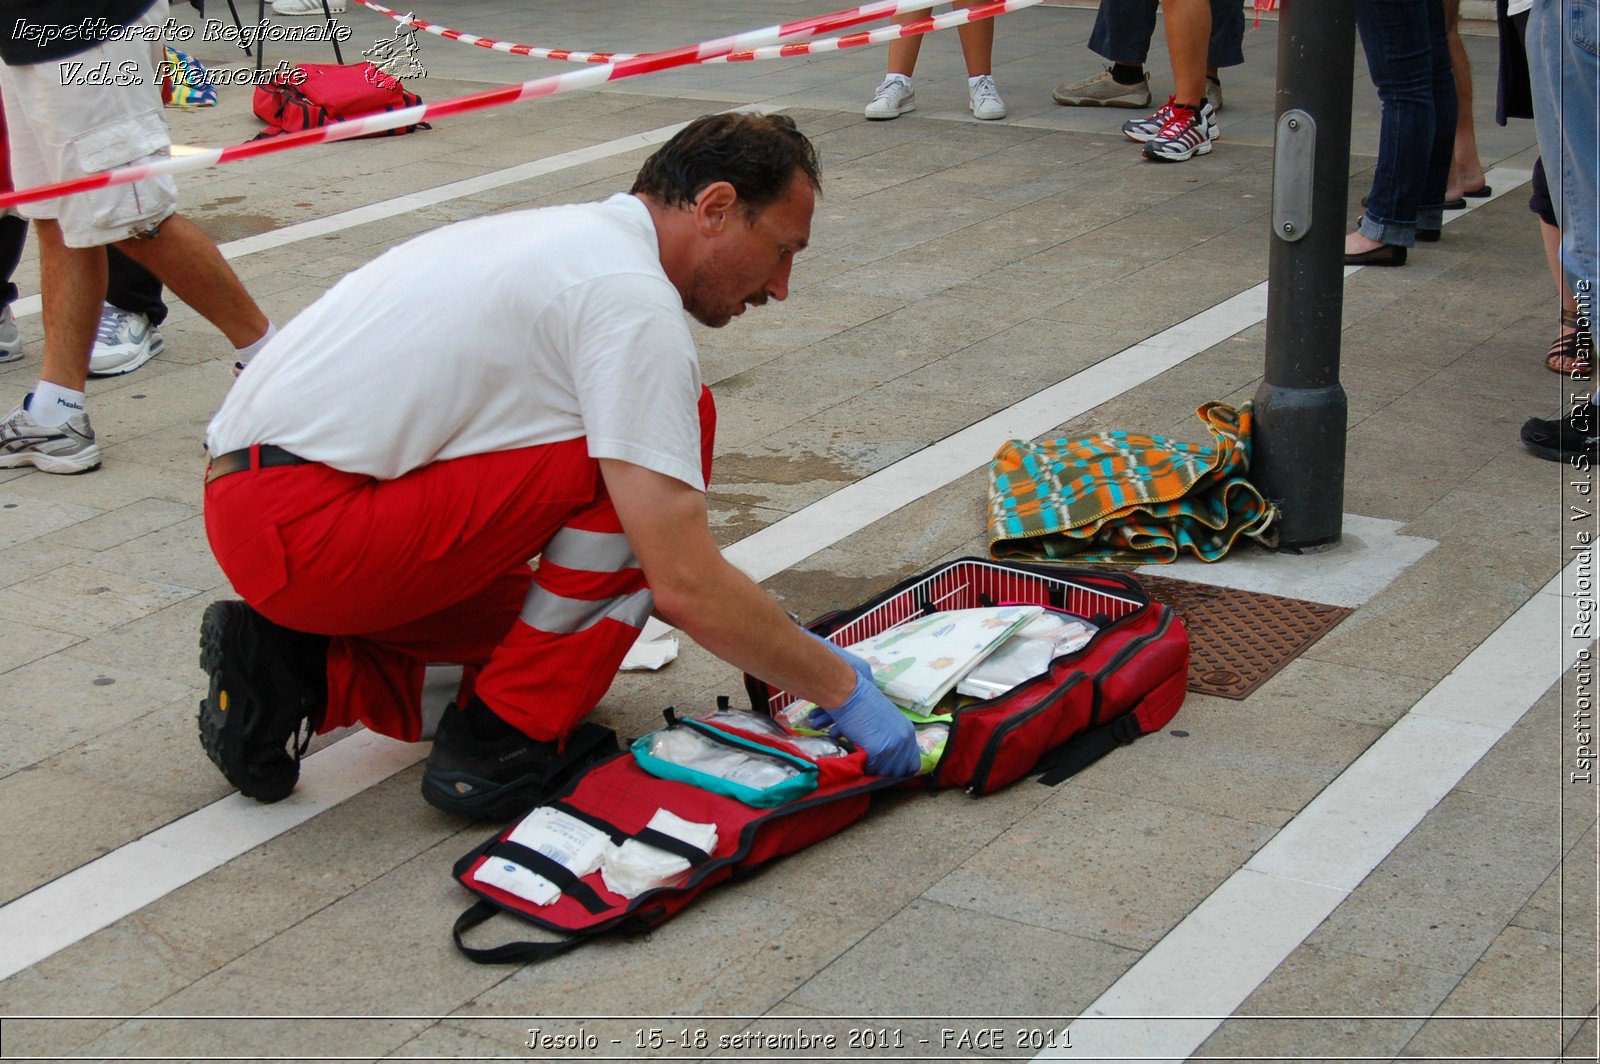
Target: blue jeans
<point>1409,60</point>
<point>1564,69</point>
<point>1123,28</point>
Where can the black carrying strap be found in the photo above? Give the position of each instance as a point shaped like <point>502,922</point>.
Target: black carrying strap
<point>509,952</point>
<point>556,872</point>
<point>649,836</point>
<point>1078,754</point>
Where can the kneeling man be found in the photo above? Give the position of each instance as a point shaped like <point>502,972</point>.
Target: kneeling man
<point>514,386</point>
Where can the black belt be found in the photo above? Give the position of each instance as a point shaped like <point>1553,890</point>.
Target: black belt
<point>256,456</point>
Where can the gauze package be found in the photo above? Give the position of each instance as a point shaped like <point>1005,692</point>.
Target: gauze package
<point>635,867</point>
<point>564,839</point>
<point>686,747</point>
<point>1027,654</point>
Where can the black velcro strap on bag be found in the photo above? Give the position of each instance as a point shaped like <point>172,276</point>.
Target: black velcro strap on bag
<point>556,872</point>
<point>510,952</point>
<point>1073,757</point>
<point>649,836</point>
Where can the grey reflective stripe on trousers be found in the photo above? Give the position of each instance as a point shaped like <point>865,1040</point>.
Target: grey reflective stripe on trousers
<point>591,552</point>
<point>564,616</point>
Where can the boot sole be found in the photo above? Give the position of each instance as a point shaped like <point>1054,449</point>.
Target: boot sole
<point>229,712</point>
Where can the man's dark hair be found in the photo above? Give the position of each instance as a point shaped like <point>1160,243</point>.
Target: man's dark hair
<point>757,154</point>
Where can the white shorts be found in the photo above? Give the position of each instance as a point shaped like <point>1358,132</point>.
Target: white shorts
<point>60,127</point>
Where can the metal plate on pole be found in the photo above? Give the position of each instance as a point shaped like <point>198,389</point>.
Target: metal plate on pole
<point>1294,170</point>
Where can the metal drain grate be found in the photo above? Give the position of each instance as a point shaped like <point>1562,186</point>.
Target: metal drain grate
<point>1238,640</point>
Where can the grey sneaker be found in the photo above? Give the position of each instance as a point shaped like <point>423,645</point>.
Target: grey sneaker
<point>983,99</point>
<point>69,448</point>
<point>893,99</point>
<point>124,342</point>
<point>1144,130</point>
<point>1102,90</point>
<point>10,340</point>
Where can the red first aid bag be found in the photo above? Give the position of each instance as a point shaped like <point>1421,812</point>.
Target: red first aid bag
<point>1128,680</point>
<point>317,94</point>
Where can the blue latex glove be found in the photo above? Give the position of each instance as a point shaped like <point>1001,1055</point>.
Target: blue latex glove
<point>873,723</point>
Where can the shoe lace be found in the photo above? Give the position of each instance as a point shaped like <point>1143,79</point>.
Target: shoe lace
<point>892,89</point>
<point>1179,121</point>
<point>983,88</point>
<point>113,322</point>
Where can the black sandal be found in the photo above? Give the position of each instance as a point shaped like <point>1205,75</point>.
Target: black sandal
<point>1569,353</point>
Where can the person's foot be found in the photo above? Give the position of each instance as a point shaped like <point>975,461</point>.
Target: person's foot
<point>1189,132</point>
<point>67,449</point>
<point>1562,440</point>
<point>1467,183</point>
<point>1573,351</point>
<point>11,349</point>
<point>892,99</point>
<point>1356,242</point>
<point>1362,250</point>
<point>124,342</point>
<point>984,99</point>
<point>1214,92</point>
<point>1103,90</point>
<point>508,774</point>
<point>1143,130</point>
<point>267,693</point>
<point>307,7</point>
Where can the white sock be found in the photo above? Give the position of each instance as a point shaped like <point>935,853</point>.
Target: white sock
<point>903,77</point>
<point>245,354</point>
<point>53,406</point>
<point>972,82</point>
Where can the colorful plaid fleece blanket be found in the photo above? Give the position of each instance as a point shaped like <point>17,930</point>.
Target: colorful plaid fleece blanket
<point>1122,498</point>
<point>185,83</point>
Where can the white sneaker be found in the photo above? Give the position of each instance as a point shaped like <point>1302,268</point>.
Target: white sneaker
<point>893,98</point>
<point>67,449</point>
<point>984,98</point>
<point>124,342</point>
<point>10,340</point>
<point>307,7</point>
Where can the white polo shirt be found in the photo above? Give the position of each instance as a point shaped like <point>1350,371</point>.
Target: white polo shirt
<point>509,331</point>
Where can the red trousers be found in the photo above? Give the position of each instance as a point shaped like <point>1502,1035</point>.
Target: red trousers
<point>434,567</point>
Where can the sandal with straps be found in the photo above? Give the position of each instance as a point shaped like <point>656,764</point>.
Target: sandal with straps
<point>1566,355</point>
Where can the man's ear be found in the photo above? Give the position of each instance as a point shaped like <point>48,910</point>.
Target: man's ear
<point>714,206</point>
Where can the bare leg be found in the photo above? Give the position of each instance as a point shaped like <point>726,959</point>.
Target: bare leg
<point>977,43</point>
<point>72,282</point>
<point>1466,169</point>
<point>1188,26</point>
<point>188,262</point>
<point>903,51</point>
<point>1565,356</point>
<point>1552,254</point>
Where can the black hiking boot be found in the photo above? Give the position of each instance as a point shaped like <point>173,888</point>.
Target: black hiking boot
<point>505,776</point>
<point>1563,439</point>
<point>268,692</point>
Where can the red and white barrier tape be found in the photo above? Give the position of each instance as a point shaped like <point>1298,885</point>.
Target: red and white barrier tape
<point>958,17</point>
<point>528,90</point>
<point>532,51</point>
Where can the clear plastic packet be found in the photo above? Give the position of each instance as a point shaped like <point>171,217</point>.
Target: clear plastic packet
<point>1017,661</point>
<point>1027,654</point>
<point>817,746</point>
<point>745,720</point>
<point>691,750</point>
<point>931,740</point>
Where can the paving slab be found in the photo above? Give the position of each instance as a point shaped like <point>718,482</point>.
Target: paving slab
<point>1099,885</point>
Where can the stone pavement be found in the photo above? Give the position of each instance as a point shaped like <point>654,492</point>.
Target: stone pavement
<point>956,269</point>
